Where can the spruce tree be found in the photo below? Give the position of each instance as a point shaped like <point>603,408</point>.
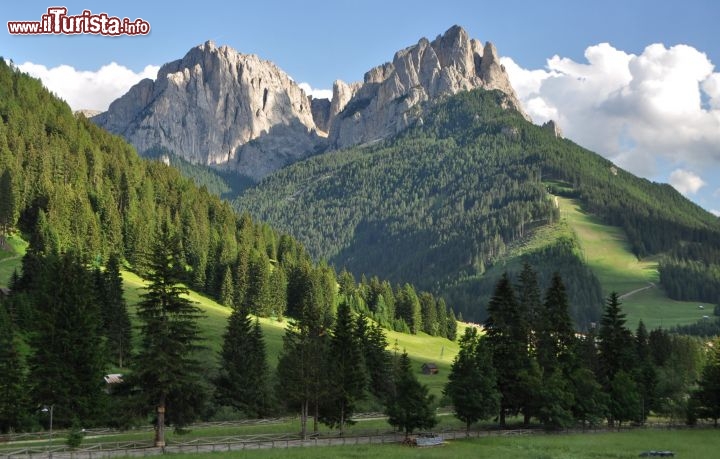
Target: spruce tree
<point>347,376</point>
<point>410,406</point>
<point>67,363</point>
<point>227,289</point>
<point>378,365</point>
<point>116,320</point>
<point>166,371</point>
<point>244,373</point>
<point>8,205</point>
<point>13,400</point>
<point>472,383</point>
<point>505,335</point>
<point>555,339</point>
<point>645,372</point>
<point>616,343</point>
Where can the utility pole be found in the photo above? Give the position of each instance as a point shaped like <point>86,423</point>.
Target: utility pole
<point>45,410</point>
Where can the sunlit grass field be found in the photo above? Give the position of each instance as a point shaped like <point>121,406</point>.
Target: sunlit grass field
<point>421,348</point>
<point>608,253</point>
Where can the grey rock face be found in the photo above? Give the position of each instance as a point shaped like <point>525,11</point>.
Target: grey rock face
<point>218,107</point>
<point>392,95</point>
<point>210,105</point>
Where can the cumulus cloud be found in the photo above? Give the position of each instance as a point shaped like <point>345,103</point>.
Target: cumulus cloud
<point>663,104</point>
<point>686,182</point>
<point>715,212</point>
<point>89,90</point>
<point>316,93</point>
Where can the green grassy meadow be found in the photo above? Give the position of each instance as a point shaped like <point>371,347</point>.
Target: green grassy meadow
<point>421,347</point>
<point>608,253</point>
<point>689,444</point>
<point>10,260</point>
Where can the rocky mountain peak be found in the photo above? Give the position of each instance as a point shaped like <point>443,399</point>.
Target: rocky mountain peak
<point>217,106</point>
<point>392,95</point>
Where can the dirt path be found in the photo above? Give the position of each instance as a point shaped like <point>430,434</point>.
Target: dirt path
<point>633,292</point>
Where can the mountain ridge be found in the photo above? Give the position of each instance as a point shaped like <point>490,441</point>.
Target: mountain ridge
<point>447,198</point>
<point>221,108</point>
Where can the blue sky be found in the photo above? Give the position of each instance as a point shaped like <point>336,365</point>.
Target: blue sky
<point>654,110</point>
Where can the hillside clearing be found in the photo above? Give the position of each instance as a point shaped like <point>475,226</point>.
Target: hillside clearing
<point>607,252</point>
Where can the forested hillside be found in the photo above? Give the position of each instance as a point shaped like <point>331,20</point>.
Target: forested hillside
<point>70,186</point>
<point>454,194</point>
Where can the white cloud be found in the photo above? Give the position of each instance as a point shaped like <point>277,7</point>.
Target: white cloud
<point>90,90</point>
<point>686,182</point>
<point>635,110</point>
<point>715,212</point>
<point>316,93</point>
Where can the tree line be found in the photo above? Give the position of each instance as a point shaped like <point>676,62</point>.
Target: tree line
<point>530,362</point>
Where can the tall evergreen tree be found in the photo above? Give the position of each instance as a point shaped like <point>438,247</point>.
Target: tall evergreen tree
<point>616,343</point>
<point>301,368</point>
<point>407,308</point>
<point>645,373</point>
<point>116,320</point>
<point>244,374</point>
<point>472,383</point>
<point>506,338</point>
<point>428,311</point>
<point>13,400</point>
<point>529,302</point>
<point>555,334</point>
<point>227,289</point>
<point>347,376</point>
<point>378,365</point>
<point>410,406</point>
<point>67,362</point>
<point>166,370</point>
<point>8,204</point>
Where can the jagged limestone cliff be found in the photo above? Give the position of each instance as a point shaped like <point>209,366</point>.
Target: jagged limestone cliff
<point>216,106</point>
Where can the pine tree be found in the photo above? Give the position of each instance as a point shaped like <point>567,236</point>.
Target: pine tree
<point>646,375</point>
<point>555,334</point>
<point>347,376</point>
<point>506,338</point>
<point>429,314</point>
<point>529,302</point>
<point>472,383</point>
<point>227,289</point>
<point>410,406</point>
<point>244,373</point>
<point>116,320</point>
<point>8,205</point>
<point>616,343</point>
<point>166,371</point>
<point>408,308</point>
<point>256,296</point>
<point>13,400</point>
<point>378,365</point>
<point>67,362</point>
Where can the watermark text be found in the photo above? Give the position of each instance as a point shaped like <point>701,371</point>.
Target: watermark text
<point>58,22</point>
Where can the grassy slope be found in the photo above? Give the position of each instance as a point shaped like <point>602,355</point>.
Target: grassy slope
<point>608,254</point>
<point>11,260</point>
<point>421,348</point>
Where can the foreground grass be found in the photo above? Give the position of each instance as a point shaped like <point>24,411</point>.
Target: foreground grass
<point>684,443</point>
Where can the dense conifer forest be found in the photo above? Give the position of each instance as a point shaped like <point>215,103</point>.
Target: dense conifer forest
<point>451,196</point>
